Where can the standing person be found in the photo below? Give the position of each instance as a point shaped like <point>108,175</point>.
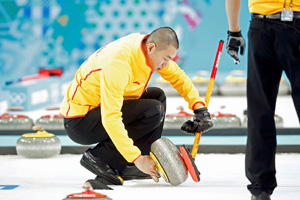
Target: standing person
<point>109,104</point>
<point>273,47</point>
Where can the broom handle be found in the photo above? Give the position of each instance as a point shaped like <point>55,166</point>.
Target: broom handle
<point>208,94</point>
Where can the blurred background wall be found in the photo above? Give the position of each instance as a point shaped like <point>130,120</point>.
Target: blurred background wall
<point>63,33</point>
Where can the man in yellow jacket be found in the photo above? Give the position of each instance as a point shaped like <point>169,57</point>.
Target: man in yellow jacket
<point>274,47</point>
<point>109,104</point>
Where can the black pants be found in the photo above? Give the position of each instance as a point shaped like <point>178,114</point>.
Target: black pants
<point>143,119</point>
<point>273,47</point>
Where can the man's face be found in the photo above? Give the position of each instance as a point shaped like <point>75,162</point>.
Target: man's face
<point>159,59</point>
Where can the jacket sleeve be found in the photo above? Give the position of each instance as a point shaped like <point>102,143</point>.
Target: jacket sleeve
<point>182,83</point>
<point>114,78</point>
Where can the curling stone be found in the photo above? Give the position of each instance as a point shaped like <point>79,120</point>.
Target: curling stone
<point>175,121</point>
<point>88,194</point>
<point>284,88</point>
<point>15,122</point>
<point>38,145</point>
<point>201,81</point>
<point>225,120</point>
<point>171,164</point>
<point>166,87</point>
<point>278,120</point>
<point>51,122</point>
<point>234,85</point>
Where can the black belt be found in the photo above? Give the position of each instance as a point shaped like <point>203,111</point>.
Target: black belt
<point>275,16</point>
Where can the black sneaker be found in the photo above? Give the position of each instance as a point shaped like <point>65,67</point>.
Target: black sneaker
<point>132,172</point>
<point>261,196</point>
<point>99,168</point>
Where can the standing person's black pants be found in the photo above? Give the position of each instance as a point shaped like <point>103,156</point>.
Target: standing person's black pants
<point>143,120</point>
<point>273,47</point>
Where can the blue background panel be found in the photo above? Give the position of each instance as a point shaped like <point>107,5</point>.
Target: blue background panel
<point>57,33</point>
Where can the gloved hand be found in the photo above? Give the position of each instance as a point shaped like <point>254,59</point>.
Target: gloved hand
<point>201,114</point>
<point>235,41</point>
<point>202,122</point>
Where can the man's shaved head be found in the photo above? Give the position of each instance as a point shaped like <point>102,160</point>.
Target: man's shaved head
<point>163,37</point>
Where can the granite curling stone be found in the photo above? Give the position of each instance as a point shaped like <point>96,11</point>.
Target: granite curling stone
<point>51,122</point>
<point>9,121</point>
<point>169,162</point>
<point>38,145</point>
<point>175,120</point>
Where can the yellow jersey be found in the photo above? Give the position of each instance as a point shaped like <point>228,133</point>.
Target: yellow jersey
<point>268,7</point>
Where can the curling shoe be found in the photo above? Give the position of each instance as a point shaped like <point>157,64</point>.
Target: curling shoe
<point>100,168</point>
<point>261,196</point>
<point>132,172</point>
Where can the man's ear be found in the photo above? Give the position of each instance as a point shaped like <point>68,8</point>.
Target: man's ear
<point>151,46</point>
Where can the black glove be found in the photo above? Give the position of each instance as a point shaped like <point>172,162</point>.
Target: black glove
<point>235,41</point>
<point>201,114</point>
<point>202,122</point>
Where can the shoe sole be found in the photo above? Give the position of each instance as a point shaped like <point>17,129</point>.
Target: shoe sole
<point>94,171</point>
<point>127,178</point>
<point>97,185</point>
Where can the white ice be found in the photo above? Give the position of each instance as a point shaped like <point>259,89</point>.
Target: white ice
<point>222,178</point>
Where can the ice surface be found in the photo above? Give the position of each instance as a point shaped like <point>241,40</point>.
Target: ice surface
<point>222,177</point>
